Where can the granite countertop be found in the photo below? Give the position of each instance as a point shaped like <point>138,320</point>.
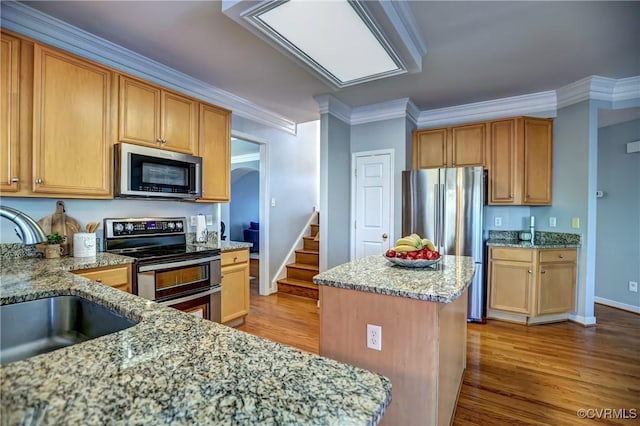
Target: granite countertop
<point>225,245</point>
<point>543,240</point>
<point>171,368</point>
<point>527,244</point>
<point>443,283</point>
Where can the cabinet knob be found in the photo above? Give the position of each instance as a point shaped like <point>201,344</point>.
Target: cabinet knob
<point>543,271</point>
<point>159,140</point>
<point>561,256</point>
<point>99,280</point>
<point>510,195</point>
<point>38,181</point>
<point>15,179</point>
<point>529,271</point>
<point>235,259</point>
<point>385,236</point>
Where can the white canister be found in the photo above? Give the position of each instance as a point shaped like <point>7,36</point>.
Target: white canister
<point>84,244</point>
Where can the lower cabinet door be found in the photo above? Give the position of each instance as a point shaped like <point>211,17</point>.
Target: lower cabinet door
<point>557,288</point>
<point>510,286</point>
<point>235,291</point>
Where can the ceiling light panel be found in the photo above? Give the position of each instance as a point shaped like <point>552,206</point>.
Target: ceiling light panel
<point>336,38</point>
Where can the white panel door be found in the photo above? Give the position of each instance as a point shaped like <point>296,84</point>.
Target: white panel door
<point>373,204</point>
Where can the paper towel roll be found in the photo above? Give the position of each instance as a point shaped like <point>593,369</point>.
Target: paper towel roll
<point>201,229</point>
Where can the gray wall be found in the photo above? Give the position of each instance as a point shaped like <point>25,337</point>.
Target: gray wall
<point>618,214</point>
<point>335,197</point>
<point>387,134</point>
<point>245,192</point>
<point>292,169</point>
<point>571,174</point>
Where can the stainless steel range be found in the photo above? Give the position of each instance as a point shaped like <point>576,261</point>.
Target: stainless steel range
<point>167,269</point>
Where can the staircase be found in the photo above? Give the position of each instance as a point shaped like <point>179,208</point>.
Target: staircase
<point>299,279</point>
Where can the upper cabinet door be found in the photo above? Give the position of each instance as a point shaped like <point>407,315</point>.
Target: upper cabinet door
<point>429,148</point>
<point>71,125</point>
<point>139,114</point>
<point>537,141</point>
<point>468,145</point>
<point>214,148</point>
<point>179,123</point>
<point>504,165</point>
<point>9,91</point>
<point>156,117</point>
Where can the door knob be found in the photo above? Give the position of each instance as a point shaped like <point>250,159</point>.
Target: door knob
<point>385,236</point>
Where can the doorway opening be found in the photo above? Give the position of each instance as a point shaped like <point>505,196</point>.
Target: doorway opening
<point>245,217</point>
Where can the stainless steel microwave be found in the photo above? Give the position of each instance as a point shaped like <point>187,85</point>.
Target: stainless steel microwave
<point>143,172</point>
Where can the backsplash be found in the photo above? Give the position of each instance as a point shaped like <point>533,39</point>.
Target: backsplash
<point>18,250</point>
<point>541,237</point>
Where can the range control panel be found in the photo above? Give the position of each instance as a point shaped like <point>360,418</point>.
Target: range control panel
<point>144,226</point>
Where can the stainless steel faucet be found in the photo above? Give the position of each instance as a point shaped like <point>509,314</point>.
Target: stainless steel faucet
<point>28,229</point>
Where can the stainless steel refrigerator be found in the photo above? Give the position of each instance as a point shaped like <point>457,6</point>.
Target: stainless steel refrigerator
<point>445,205</point>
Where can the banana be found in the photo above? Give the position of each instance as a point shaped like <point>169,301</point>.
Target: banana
<point>428,244</point>
<point>415,237</point>
<point>403,248</point>
<point>406,241</point>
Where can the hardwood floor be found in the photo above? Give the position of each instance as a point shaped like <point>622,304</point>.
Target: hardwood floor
<point>538,375</point>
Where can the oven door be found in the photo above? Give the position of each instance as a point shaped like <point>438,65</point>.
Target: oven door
<point>203,305</point>
<point>177,278</point>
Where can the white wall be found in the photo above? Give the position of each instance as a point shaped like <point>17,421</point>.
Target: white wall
<point>618,214</point>
<point>292,173</point>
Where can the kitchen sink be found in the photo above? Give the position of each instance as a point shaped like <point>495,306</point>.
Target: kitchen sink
<point>44,325</point>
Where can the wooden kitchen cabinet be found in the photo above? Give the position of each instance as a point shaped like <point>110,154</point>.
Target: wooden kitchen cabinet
<point>531,285</point>
<point>214,146</point>
<point>9,107</point>
<point>114,276</point>
<point>72,132</point>
<point>235,286</point>
<point>521,159</point>
<point>152,116</point>
<point>457,146</point>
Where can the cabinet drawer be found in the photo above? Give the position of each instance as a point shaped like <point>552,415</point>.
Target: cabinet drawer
<point>118,277</point>
<point>558,255</point>
<point>508,253</point>
<point>234,257</point>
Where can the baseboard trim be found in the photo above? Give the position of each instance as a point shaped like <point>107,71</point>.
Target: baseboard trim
<point>618,305</point>
<point>585,321</point>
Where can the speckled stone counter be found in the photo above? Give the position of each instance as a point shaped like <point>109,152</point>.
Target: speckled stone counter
<point>171,368</point>
<point>443,283</point>
<point>543,240</point>
<point>226,245</point>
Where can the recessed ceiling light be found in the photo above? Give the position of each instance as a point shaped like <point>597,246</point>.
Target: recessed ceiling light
<point>339,39</point>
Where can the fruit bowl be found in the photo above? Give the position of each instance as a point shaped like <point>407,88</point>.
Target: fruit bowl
<point>412,263</point>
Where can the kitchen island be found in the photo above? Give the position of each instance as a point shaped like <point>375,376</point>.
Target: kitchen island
<point>170,368</point>
<point>423,318</point>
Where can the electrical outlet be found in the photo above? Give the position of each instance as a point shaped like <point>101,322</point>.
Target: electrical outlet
<point>193,220</point>
<point>575,223</point>
<point>273,202</point>
<point>374,337</point>
<point>497,221</point>
<point>552,222</point>
<point>633,286</point>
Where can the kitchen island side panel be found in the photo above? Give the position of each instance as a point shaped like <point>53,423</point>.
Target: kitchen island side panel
<point>452,354</point>
<point>409,355</point>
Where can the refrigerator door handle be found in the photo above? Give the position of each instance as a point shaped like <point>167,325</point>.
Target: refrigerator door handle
<point>442,197</point>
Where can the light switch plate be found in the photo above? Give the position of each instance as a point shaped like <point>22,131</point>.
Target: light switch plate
<point>575,223</point>
<point>497,221</point>
<point>552,222</point>
<point>192,220</point>
<point>209,219</point>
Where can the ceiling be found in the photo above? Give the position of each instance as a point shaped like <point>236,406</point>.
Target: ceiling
<point>475,50</point>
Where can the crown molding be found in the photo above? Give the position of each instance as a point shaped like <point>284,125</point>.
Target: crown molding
<point>329,104</point>
<point>398,108</point>
<point>534,103</point>
<point>627,88</point>
<point>47,29</point>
